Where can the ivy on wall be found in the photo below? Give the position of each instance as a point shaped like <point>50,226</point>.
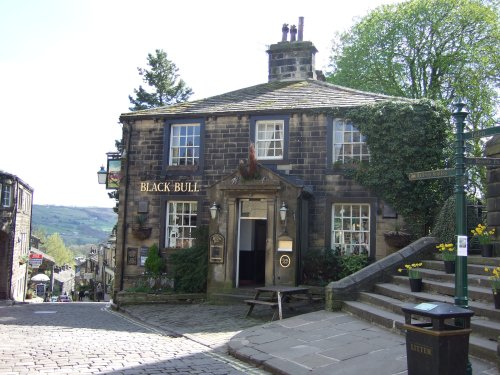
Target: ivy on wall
<point>405,137</point>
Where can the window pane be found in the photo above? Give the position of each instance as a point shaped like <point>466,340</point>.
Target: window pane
<point>184,144</point>
<point>181,219</point>
<point>269,139</point>
<point>351,228</point>
<point>348,143</point>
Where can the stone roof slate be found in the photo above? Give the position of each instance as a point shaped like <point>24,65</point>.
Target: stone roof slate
<point>278,96</point>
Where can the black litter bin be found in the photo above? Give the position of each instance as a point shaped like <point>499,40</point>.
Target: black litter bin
<point>437,340</point>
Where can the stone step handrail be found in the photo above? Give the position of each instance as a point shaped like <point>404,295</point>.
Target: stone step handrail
<point>349,287</point>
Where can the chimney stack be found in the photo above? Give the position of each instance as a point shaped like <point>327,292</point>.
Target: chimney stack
<point>292,60</point>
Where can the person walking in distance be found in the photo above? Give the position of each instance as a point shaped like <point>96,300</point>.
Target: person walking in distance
<point>99,292</point>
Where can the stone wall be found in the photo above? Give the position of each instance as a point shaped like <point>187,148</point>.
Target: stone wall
<point>226,142</point>
<point>493,188</point>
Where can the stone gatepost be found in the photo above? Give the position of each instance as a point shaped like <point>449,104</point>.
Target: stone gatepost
<point>493,189</point>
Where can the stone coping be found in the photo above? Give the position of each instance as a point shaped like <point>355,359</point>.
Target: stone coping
<point>138,298</point>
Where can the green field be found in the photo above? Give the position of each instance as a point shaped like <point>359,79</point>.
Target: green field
<point>76,225</point>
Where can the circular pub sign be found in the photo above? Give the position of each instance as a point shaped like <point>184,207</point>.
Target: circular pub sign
<point>285,261</point>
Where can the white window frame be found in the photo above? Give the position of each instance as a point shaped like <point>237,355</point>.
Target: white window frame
<point>184,144</point>
<point>6,195</point>
<point>181,219</point>
<point>349,145</point>
<point>20,200</point>
<point>269,139</point>
<point>351,228</point>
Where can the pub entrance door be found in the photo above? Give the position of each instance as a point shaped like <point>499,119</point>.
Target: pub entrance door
<point>252,234</point>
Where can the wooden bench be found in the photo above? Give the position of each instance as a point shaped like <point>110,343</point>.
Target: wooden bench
<point>253,302</point>
<point>279,294</point>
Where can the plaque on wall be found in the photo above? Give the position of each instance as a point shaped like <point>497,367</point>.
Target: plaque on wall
<point>285,261</point>
<point>217,244</point>
<point>132,256</point>
<point>144,255</point>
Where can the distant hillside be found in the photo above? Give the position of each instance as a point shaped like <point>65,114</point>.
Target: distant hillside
<point>76,225</point>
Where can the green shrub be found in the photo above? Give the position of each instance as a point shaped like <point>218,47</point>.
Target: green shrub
<point>350,264</point>
<point>444,228</point>
<point>321,266</point>
<point>154,265</point>
<point>190,266</point>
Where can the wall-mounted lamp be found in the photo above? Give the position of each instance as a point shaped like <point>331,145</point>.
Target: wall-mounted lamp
<point>283,211</point>
<point>214,209</point>
<point>101,175</point>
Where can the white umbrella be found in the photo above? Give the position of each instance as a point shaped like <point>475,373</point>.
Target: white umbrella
<point>40,277</point>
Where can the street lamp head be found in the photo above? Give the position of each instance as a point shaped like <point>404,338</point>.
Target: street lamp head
<point>101,175</point>
<point>283,211</point>
<point>460,109</point>
<point>214,209</point>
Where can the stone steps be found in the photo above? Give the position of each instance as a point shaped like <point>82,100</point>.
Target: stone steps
<point>382,305</point>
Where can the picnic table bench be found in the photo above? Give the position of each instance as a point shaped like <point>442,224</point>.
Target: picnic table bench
<point>274,296</point>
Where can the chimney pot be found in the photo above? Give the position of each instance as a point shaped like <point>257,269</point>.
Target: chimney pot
<point>293,33</point>
<point>284,29</point>
<point>301,29</point>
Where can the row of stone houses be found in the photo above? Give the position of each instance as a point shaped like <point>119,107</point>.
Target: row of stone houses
<point>97,268</point>
<point>16,198</point>
<point>185,165</point>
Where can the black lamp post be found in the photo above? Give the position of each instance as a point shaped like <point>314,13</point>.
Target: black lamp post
<point>461,282</point>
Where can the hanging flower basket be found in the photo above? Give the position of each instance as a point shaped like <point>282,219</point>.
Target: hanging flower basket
<point>142,233</point>
<point>397,239</point>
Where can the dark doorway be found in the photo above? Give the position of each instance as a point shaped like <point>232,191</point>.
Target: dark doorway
<point>252,255</point>
<point>4,267</point>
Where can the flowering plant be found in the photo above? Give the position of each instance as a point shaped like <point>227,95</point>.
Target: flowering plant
<point>483,235</point>
<point>495,278</point>
<point>447,250</point>
<point>413,270</point>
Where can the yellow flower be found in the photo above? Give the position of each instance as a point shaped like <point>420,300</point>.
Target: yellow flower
<point>483,234</point>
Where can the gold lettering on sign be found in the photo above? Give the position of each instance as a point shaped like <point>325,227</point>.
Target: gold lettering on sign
<point>167,187</point>
<point>421,349</point>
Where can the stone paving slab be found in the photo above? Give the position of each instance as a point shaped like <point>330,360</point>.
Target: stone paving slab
<point>318,342</point>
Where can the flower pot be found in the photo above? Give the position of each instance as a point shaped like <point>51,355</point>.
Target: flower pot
<point>496,300</point>
<point>416,285</point>
<point>449,266</point>
<point>487,250</point>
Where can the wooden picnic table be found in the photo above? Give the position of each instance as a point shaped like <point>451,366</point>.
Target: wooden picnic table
<point>278,293</point>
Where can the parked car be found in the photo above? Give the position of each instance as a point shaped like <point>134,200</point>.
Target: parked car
<point>64,298</point>
<point>53,299</point>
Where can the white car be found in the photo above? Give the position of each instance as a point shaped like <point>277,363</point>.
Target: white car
<point>64,298</point>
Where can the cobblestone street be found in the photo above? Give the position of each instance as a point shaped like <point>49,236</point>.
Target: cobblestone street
<point>89,338</point>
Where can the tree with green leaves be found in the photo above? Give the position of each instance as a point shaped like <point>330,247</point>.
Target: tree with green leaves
<point>435,49</point>
<point>405,137</point>
<point>55,247</point>
<point>166,87</point>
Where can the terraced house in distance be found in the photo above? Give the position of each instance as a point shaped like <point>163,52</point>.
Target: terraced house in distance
<point>187,165</point>
<point>16,198</point>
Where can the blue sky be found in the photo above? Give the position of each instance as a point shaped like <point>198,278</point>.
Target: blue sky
<point>67,68</point>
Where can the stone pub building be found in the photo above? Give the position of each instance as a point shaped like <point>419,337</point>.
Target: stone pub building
<point>187,165</point>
